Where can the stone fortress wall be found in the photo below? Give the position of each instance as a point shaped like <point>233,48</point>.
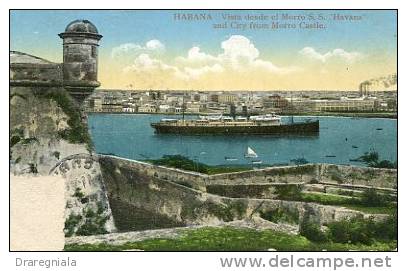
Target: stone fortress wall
<point>48,135</point>
<point>181,197</point>
<point>326,174</point>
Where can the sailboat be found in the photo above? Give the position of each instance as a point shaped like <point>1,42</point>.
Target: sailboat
<point>229,158</point>
<point>250,153</point>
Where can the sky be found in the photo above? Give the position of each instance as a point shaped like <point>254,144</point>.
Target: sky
<point>145,49</point>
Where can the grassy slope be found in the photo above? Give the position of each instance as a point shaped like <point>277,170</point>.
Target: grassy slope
<point>336,200</point>
<point>233,239</point>
<point>182,162</point>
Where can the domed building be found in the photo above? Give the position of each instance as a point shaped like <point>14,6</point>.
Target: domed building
<point>81,26</point>
<point>80,42</point>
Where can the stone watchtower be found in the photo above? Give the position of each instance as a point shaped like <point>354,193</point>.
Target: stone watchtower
<point>80,64</point>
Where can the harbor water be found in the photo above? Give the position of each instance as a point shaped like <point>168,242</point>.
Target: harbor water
<point>340,140</point>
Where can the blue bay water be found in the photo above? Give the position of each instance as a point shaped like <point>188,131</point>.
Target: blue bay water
<point>130,136</point>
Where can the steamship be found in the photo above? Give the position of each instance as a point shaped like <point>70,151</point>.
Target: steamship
<point>268,124</point>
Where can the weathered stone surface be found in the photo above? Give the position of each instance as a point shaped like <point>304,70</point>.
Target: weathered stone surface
<point>174,233</point>
<point>122,238</point>
<point>321,174</point>
<point>47,132</point>
<point>126,183</point>
<point>84,189</point>
<point>37,148</point>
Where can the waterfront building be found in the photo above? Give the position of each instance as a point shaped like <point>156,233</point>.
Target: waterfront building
<point>343,105</point>
<point>147,108</point>
<point>112,107</point>
<point>165,108</point>
<point>95,104</point>
<point>128,109</point>
<point>192,107</point>
<point>227,98</point>
<point>214,98</point>
<point>275,102</point>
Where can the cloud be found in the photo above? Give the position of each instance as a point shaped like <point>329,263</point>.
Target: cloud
<point>145,62</point>
<point>154,45</point>
<point>238,54</point>
<point>336,53</point>
<point>238,49</point>
<point>196,56</point>
<point>130,48</point>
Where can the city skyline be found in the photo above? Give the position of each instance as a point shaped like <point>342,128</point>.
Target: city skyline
<point>166,50</point>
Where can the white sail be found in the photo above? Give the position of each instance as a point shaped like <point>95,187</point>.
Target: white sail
<point>251,153</point>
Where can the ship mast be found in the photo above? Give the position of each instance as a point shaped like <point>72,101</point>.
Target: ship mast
<point>183,107</point>
<point>291,109</point>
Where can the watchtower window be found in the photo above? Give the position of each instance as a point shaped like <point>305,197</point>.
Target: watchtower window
<point>94,51</point>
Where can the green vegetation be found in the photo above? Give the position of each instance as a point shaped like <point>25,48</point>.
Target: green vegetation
<point>70,224</point>
<point>312,231</point>
<point>29,140</point>
<point>289,192</point>
<point>94,222</point>
<point>77,131</point>
<point>326,199</point>
<point>371,198</point>
<point>392,208</point>
<point>33,168</point>
<point>15,136</point>
<point>299,161</point>
<point>14,140</point>
<point>182,162</point>
<point>368,201</point>
<point>364,231</point>
<point>56,154</point>
<point>356,230</point>
<point>371,159</point>
<point>78,193</point>
<point>233,239</point>
<point>363,203</point>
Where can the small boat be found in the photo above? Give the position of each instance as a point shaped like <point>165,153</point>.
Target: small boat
<point>355,147</point>
<point>257,162</point>
<point>354,160</point>
<point>379,129</point>
<point>227,158</point>
<point>330,155</point>
<point>250,153</point>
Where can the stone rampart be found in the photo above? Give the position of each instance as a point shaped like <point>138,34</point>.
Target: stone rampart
<point>308,174</point>
<point>132,187</point>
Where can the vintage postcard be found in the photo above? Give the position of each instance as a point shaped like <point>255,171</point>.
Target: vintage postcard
<point>203,130</point>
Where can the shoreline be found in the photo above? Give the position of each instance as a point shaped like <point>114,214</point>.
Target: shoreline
<point>313,114</point>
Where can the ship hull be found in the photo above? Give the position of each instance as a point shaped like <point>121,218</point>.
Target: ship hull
<point>311,127</point>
